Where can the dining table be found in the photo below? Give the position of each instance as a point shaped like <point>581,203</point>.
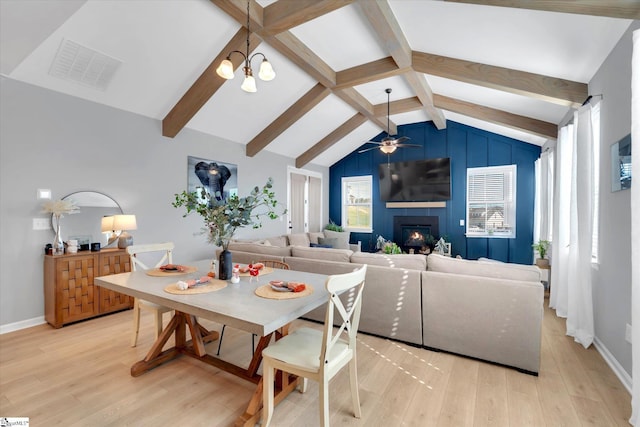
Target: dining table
<point>251,305</point>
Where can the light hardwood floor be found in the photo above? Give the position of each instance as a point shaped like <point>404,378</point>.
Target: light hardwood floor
<point>79,376</point>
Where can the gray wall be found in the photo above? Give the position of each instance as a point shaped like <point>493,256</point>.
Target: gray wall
<point>50,140</point>
<point>612,279</point>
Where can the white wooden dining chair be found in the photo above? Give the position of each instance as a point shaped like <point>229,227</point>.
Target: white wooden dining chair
<point>319,354</point>
<point>164,250</point>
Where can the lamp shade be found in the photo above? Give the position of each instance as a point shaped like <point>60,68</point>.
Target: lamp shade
<point>388,149</point>
<point>249,84</point>
<point>124,222</point>
<point>266,72</point>
<point>225,69</point>
<point>107,224</point>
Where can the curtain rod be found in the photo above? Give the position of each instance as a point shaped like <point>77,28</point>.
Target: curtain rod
<point>586,101</point>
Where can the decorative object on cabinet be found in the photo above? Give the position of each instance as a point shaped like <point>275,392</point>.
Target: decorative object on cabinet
<point>125,223</point>
<point>69,291</point>
<point>58,209</point>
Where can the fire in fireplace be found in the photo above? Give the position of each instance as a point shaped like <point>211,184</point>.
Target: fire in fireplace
<point>412,233</point>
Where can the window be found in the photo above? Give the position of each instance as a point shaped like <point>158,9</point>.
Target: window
<point>491,201</point>
<point>357,210</point>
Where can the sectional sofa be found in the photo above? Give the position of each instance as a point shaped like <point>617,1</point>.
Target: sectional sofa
<point>482,309</point>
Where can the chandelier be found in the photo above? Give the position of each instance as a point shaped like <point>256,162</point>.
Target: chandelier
<point>266,73</point>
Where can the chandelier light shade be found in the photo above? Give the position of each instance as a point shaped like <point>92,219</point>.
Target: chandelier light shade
<point>388,149</point>
<point>266,73</point>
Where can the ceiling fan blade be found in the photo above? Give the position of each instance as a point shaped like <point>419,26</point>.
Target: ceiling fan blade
<point>408,145</point>
<point>402,139</point>
<point>368,149</point>
<point>373,142</point>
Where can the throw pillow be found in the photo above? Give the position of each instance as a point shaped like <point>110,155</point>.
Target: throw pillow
<point>318,245</point>
<point>313,237</point>
<point>332,243</point>
<point>343,238</point>
<point>299,239</point>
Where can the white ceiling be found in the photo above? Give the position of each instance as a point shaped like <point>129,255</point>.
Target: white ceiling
<point>165,45</point>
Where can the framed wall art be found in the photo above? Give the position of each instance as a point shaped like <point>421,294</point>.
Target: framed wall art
<point>212,175</point>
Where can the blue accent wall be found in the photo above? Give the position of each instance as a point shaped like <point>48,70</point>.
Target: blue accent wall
<point>467,147</point>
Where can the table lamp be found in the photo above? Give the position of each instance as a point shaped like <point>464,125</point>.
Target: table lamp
<point>124,223</point>
<point>106,227</point>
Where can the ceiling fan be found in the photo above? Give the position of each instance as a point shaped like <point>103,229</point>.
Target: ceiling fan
<point>389,144</point>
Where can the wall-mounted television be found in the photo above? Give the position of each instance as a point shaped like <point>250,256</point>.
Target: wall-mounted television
<point>427,180</point>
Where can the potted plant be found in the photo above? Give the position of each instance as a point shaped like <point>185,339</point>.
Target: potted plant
<point>332,226</point>
<point>222,217</point>
<point>542,247</point>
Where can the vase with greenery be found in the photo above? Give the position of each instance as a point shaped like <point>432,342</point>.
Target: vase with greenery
<point>222,217</point>
<point>542,247</point>
<point>58,209</point>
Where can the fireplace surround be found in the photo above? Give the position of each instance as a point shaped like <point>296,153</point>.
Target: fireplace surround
<point>409,232</point>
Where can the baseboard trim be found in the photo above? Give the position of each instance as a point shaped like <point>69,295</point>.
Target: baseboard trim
<point>23,324</point>
<point>617,369</point>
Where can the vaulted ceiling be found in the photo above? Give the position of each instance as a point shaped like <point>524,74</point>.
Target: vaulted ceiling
<point>515,70</point>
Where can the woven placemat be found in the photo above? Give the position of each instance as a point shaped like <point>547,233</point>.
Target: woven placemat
<point>265,291</point>
<point>156,272</point>
<point>265,270</point>
<point>212,286</point>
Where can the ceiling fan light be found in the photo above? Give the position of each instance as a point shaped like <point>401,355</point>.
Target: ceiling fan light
<point>249,84</point>
<point>388,149</point>
<point>266,72</point>
<point>225,69</point>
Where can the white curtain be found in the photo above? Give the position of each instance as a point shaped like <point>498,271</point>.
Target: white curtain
<point>542,219</point>
<point>561,203</point>
<point>635,230</point>
<point>572,264</point>
<point>297,184</point>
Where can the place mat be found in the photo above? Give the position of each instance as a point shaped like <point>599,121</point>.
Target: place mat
<point>265,291</point>
<point>265,270</point>
<point>156,272</point>
<point>212,286</point>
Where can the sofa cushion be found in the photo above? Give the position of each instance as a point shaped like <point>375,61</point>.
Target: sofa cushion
<point>413,262</point>
<point>444,264</point>
<point>280,241</point>
<point>299,239</point>
<point>343,238</point>
<point>257,248</point>
<point>340,255</point>
<point>313,237</point>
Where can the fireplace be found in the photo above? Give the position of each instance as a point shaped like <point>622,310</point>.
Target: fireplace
<point>410,232</point>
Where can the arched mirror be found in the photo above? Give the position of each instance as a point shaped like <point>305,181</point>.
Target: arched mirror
<point>85,226</point>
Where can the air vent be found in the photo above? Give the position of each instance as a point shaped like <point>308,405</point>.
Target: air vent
<point>82,65</point>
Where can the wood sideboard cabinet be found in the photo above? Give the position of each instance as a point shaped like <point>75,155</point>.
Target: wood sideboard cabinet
<point>69,291</point>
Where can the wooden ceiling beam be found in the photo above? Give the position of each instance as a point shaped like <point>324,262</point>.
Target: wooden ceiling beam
<point>369,72</point>
<point>286,119</point>
<point>237,9</point>
<point>627,9</point>
<point>284,15</point>
<point>205,86</point>
<point>386,26</point>
<point>550,89</point>
<point>390,35</point>
<point>499,117</point>
<point>343,130</point>
<point>298,53</point>
<point>398,107</point>
<point>359,103</point>
<point>419,84</point>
